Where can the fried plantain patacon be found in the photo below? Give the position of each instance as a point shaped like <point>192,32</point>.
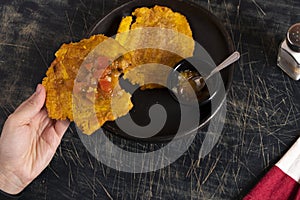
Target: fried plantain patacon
<point>154,35</point>
<point>82,83</point>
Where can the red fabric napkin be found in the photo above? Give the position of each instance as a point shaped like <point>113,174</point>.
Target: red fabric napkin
<point>282,182</point>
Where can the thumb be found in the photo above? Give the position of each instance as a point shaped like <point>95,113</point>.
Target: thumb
<point>29,108</point>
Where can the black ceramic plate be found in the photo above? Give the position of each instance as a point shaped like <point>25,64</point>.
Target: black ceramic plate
<point>207,31</point>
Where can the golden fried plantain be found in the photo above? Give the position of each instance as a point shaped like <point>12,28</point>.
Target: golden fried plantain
<point>82,83</point>
<point>159,27</point>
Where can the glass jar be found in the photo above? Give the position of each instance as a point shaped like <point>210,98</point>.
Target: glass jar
<point>289,53</point>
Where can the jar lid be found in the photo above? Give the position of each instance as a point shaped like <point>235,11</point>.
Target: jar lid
<point>293,37</point>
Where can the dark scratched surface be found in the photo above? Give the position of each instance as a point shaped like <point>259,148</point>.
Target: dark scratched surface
<point>262,121</point>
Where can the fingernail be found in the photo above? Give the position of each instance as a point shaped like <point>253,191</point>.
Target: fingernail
<point>38,88</point>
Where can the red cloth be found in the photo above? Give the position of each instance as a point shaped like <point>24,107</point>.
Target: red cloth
<point>275,185</point>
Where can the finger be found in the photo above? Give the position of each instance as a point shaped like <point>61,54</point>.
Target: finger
<point>54,133</point>
<point>42,121</point>
<point>32,106</point>
<point>61,127</point>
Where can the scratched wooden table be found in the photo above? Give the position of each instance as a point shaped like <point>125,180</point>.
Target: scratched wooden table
<point>262,122</point>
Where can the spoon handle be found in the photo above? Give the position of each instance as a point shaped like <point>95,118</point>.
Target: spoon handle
<point>231,59</point>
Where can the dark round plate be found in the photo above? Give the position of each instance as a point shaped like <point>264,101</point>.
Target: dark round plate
<point>207,31</point>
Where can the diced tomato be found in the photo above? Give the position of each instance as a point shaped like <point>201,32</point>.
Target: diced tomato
<point>89,66</point>
<point>102,62</point>
<point>98,73</point>
<point>105,85</point>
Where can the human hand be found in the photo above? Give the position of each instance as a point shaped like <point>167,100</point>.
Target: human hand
<point>28,142</point>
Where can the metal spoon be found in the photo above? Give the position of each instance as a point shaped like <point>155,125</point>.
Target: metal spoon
<point>197,82</point>
<point>200,80</point>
